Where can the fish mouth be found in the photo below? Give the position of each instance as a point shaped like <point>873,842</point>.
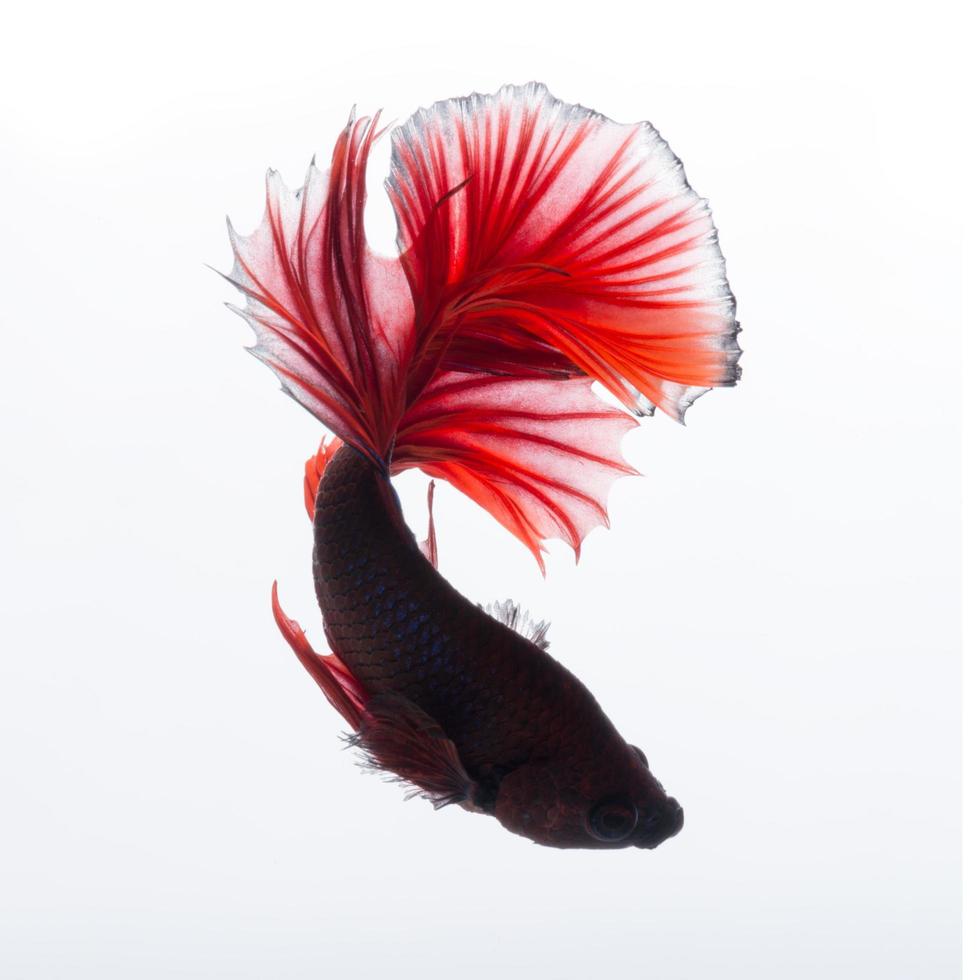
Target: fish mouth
<point>666,822</point>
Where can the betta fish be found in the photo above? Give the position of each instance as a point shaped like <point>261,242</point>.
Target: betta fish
<point>542,248</point>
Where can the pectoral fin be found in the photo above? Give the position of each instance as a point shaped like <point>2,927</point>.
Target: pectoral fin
<point>398,737</point>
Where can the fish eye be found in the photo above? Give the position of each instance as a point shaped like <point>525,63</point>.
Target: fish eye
<point>612,819</point>
<point>642,755</point>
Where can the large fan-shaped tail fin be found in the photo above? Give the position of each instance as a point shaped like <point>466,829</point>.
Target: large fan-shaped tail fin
<point>535,229</point>
<point>539,454</point>
<point>332,319</point>
<point>543,247</point>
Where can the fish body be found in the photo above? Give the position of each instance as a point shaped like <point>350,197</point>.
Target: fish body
<point>402,629</point>
<point>409,636</point>
<point>543,248</point>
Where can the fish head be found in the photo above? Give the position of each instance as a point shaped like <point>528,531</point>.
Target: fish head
<point>602,800</point>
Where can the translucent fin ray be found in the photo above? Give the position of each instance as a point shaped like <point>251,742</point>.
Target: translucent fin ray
<point>563,235</point>
<point>543,246</point>
<point>538,454</point>
<point>515,617</point>
<point>331,318</point>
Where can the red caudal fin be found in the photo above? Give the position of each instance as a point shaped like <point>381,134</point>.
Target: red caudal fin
<point>535,232</point>
<point>544,247</point>
<point>331,318</point>
<point>343,691</point>
<point>538,454</point>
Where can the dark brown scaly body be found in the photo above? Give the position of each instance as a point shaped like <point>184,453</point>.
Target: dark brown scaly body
<point>401,628</point>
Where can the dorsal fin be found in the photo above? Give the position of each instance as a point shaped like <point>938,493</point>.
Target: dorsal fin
<point>514,617</point>
<point>543,247</point>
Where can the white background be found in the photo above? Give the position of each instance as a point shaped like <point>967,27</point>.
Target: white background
<point>773,616</point>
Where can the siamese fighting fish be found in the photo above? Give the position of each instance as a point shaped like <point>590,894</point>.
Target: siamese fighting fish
<point>543,250</point>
